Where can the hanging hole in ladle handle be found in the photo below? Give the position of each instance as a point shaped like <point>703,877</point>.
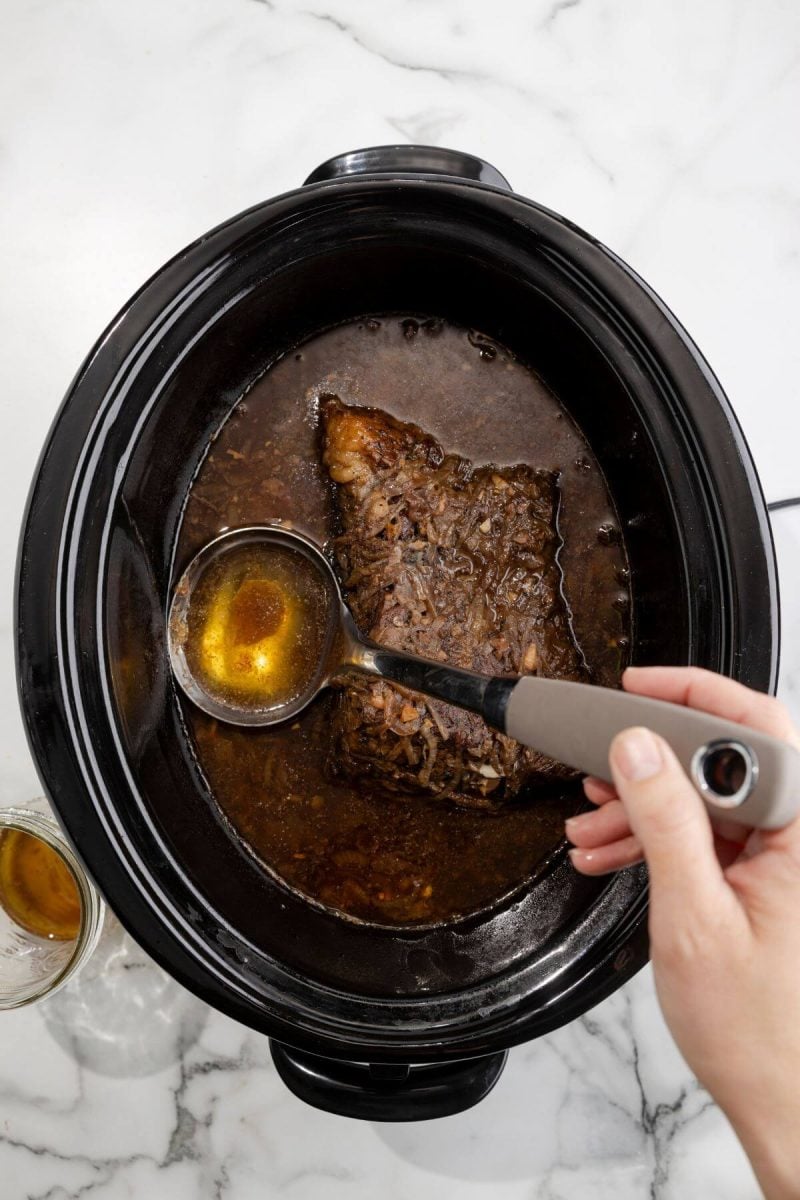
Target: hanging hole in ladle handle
<point>725,772</point>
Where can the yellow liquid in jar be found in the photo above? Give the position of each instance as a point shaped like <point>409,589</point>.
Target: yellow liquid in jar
<point>256,626</point>
<point>37,888</point>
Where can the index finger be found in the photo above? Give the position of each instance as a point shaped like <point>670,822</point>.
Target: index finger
<point>704,690</point>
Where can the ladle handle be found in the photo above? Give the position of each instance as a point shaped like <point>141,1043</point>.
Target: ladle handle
<point>740,772</point>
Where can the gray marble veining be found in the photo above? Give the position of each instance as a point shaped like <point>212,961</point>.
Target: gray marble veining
<point>668,131</point>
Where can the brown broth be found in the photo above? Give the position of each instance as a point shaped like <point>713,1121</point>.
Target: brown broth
<point>371,855</point>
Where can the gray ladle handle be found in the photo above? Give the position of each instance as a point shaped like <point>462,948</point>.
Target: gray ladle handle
<point>746,775</point>
<point>739,772</point>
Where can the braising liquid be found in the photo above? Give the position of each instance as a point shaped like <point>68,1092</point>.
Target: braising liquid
<point>37,888</point>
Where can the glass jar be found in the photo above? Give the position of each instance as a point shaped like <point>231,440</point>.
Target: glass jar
<point>33,966</point>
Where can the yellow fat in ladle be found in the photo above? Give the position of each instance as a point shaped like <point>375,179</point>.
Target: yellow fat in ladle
<point>249,625</point>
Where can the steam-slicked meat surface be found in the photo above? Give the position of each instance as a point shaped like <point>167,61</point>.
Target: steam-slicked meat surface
<point>456,563</point>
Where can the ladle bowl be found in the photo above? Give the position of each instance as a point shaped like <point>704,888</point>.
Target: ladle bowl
<point>337,620</point>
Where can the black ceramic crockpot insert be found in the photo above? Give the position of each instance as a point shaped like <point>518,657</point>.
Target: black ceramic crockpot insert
<point>97,552</point>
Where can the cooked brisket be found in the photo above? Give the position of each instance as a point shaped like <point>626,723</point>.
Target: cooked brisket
<point>456,563</point>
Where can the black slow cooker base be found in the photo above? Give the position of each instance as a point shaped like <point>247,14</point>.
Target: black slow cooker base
<point>96,567</point>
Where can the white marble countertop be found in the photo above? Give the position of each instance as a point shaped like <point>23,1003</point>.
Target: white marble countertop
<point>669,131</point>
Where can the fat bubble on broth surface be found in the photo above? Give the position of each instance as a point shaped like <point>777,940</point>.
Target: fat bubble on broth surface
<point>454,562</point>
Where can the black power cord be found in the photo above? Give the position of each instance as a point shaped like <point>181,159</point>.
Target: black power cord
<point>789,503</point>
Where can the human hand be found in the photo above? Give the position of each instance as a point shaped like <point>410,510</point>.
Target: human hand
<point>724,917</point>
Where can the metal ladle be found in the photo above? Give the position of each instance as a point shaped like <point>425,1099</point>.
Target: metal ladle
<point>732,767</point>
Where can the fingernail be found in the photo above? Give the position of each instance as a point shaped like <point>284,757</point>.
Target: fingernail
<point>578,819</point>
<point>576,856</point>
<point>637,755</point>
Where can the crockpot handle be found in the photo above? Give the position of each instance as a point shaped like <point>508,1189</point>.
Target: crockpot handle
<point>394,1092</point>
<point>409,160</point>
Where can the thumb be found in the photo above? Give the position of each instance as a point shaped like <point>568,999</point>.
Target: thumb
<point>669,820</point>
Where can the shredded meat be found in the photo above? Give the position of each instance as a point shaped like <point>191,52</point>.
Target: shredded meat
<point>456,563</point>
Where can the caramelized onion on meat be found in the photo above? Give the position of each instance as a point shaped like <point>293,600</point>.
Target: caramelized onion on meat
<point>454,562</point>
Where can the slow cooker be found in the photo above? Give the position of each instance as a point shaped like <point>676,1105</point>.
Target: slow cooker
<point>389,1024</point>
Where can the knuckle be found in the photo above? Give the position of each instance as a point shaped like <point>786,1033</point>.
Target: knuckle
<point>678,944</point>
<point>672,818</point>
<point>700,682</point>
<point>682,943</point>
